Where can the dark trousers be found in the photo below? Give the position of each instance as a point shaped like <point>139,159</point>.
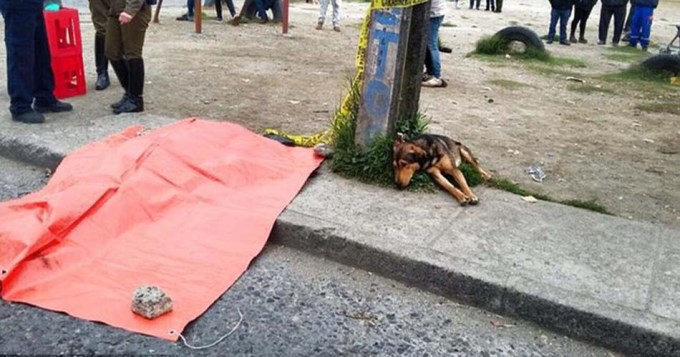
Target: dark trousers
<point>29,71</point>
<point>563,16</point>
<point>490,3</point>
<point>619,12</point>
<point>230,6</point>
<point>472,4</point>
<point>191,4</point>
<point>581,16</point>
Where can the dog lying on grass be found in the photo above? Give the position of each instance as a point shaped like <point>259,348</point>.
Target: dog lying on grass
<point>437,155</point>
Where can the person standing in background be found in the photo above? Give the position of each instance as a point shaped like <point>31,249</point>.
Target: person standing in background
<point>433,65</point>
<point>641,27</point>
<point>125,33</point>
<point>582,10</point>
<point>30,81</point>
<point>99,9</point>
<point>616,8</point>
<point>323,7</point>
<point>561,10</point>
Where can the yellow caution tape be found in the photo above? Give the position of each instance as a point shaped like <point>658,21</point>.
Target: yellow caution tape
<point>343,112</point>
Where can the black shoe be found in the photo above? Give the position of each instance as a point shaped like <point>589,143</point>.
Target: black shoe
<point>565,43</point>
<point>30,117</point>
<point>185,17</point>
<point>56,107</point>
<point>549,42</point>
<point>117,104</point>
<point>135,100</point>
<point>103,81</point>
<point>131,105</point>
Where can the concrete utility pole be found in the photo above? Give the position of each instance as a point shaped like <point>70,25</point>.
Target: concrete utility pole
<point>394,67</point>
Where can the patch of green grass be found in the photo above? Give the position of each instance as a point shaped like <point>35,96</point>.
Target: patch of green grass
<point>508,84</point>
<point>621,57</point>
<point>496,45</point>
<point>497,60</point>
<point>589,89</point>
<point>638,73</point>
<point>373,164</point>
<point>624,49</point>
<point>591,205</point>
<point>551,70</point>
<point>668,107</point>
<point>449,24</point>
<point>567,61</point>
<point>491,45</point>
<point>639,79</point>
<point>509,186</point>
<point>513,23</point>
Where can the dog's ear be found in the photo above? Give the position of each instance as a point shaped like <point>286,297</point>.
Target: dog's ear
<point>400,138</point>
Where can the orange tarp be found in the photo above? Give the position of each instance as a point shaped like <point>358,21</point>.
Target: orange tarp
<point>185,207</point>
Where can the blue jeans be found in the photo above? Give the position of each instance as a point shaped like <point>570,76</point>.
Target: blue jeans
<point>563,16</point>
<point>641,26</point>
<point>29,69</point>
<point>433,63</point>
<point>190,5</point>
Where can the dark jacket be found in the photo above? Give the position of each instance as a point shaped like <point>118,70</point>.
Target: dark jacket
<point>650,3</point>
<point>614,3</point>
<point>22,4</point>
<point>585,4</point>
<point>561,4</point>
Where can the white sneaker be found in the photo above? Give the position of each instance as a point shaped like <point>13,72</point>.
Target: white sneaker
<point>433,82</point>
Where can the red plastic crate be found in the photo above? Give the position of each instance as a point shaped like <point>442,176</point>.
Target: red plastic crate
<point>66,52</point>
<point>63,32</point>
<point>69,76</point>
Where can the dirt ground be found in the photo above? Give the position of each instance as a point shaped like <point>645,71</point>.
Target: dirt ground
<point>592,145</point>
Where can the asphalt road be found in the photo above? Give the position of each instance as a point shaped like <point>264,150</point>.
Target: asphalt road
<point>293,304</point>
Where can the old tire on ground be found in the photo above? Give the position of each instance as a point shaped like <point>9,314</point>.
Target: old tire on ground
<point>665,64</point>
<point>521,34</point>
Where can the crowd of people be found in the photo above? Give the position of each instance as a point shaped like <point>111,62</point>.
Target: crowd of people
<point>635,28</point>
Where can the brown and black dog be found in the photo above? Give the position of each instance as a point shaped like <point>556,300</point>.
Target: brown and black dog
<point>437,155</point>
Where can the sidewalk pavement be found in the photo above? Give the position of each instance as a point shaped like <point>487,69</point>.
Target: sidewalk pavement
<point>600,278</point>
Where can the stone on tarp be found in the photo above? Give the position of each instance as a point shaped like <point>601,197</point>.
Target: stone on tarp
<point>150,302</point>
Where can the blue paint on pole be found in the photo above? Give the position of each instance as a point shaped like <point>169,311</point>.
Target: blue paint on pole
<point>378,96</point>
<point>377,101</point>
<point>384,39</point>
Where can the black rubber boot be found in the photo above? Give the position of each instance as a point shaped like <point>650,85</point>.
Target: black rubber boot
<point>135,99</point>
<point>102,64</point>
<point>120,67</point>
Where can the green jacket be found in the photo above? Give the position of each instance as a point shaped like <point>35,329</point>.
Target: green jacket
<point>130,7</point>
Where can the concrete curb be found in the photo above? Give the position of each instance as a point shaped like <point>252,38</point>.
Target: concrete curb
<point>486,292</point>
<point>600,324</point>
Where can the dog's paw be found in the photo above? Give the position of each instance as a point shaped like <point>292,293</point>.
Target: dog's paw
<point>464,201</point>
<point>474,201</point>
<point>486,177</point>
